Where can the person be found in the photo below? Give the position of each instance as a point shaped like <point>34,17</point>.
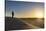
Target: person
<point>12,14</point>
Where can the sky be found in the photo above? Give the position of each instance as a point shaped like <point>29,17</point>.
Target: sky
<point>24,9</point>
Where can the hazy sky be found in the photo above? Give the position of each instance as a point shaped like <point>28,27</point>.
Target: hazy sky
<point>24,9</point>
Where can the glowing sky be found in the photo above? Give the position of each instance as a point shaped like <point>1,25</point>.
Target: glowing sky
<point>25,9</point>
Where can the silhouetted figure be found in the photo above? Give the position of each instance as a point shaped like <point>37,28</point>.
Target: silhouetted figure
<point>12,14</point>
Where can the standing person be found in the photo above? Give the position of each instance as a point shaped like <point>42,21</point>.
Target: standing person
<point>12,14</point>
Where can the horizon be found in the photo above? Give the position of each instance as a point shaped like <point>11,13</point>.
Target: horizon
<point>16,17</point>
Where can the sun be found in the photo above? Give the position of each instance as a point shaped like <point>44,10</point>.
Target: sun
<point>37,13</point>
